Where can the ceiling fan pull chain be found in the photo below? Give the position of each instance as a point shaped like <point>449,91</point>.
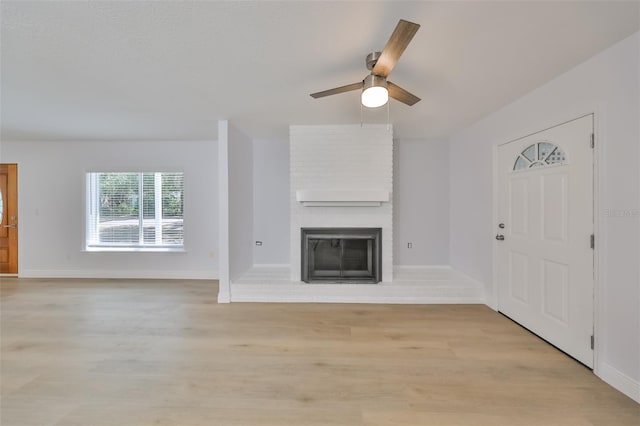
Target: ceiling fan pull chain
<point>388,115</point>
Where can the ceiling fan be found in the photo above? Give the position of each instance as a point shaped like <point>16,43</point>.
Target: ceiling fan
<point>375,87</point>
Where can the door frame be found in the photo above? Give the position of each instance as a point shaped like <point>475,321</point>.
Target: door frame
<point>17,209</point>
<point>597,227</point>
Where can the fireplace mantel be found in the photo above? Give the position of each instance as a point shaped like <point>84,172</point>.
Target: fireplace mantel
<point>341,198</point>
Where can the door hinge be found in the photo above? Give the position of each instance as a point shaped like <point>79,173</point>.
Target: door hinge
<point>593,241</point>
<point>593,140</point>
<point>593,341</point>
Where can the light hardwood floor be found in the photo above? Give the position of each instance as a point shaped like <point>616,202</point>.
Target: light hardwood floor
<point>139,353</point>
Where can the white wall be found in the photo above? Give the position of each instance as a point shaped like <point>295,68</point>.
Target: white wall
<point>421,202</point>
<point>607,84</point>
<point>240,166</point>
<point>271,201</point>
<point>420,199</point>
<point>51,187</point>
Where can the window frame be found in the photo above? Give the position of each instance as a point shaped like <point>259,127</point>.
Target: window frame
<point>90,206</point>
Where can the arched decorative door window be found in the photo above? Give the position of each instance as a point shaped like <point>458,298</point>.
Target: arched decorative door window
<point>539,154</point>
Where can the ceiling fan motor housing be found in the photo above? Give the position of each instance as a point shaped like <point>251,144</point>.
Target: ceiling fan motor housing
<point>373,81</point>
<point>371,60</point>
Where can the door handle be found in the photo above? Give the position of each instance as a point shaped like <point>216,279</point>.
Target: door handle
<point>13,225</point>
<point>500,237</point>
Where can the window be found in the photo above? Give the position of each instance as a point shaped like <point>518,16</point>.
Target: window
<point>132,211</point>
<point>539,155</point>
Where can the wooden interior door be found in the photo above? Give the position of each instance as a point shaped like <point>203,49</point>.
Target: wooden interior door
<point>9,218</point>
<point>544,233</point>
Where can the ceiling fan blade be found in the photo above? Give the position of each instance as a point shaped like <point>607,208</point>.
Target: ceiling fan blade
<point>399,94</point>
<point>398,42</point>
<point>336,90</point>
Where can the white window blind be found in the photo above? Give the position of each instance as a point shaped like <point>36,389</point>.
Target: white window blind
<point>135,210</point>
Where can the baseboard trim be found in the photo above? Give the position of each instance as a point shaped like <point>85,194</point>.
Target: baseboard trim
<point>119,274</point>
<point>620,381</point>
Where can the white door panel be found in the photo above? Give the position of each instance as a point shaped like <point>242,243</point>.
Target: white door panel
<point>519,276</point>
<point>545,201</point>
<point>519,207</point>
<point>554,205</point>
<point>555,288</point>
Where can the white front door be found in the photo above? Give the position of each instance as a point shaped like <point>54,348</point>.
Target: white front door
<point>545,223</point>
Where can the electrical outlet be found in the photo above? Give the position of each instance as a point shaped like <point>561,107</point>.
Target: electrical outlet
<point>409,245</point>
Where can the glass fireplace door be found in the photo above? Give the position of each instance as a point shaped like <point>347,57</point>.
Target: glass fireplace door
<point>341,258</point>
<point>341,255</point>
<point>357,258</point>
<point>326,258</point>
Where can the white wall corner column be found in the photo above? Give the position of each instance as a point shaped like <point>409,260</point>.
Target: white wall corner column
<point>240,195</point>
<point>224,287</point>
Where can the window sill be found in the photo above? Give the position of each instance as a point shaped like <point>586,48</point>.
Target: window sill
<point>134,250</point>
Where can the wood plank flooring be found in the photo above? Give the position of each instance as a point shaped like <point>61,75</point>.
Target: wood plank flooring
<point>141,353</point>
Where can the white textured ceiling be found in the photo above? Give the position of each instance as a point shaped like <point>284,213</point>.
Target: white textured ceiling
<point>170,70</point>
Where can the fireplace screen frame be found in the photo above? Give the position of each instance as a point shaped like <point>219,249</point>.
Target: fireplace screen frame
<point>371,275</point>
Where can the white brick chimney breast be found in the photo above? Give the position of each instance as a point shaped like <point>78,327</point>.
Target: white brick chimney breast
<point>342,176</point>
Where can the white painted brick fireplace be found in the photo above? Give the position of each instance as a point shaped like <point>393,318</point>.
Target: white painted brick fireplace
<point>343,165</point>
<point>342,177</point>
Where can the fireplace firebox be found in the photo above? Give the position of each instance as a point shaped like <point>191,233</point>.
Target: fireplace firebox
<point>341,255</point>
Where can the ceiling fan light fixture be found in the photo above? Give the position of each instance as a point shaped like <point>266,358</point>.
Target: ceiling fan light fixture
<point>374,91</point>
